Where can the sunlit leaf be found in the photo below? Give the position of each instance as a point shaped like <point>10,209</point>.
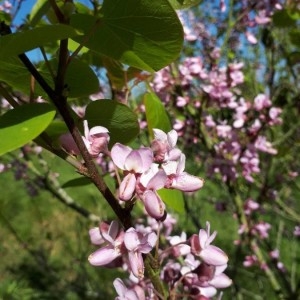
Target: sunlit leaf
<point>39,9</point>
<point>140,33</point>
<point>182,4</point>
<point>20,42</point>
<point>156,114</point>
<point>173,199</point>
<point>23,124</point>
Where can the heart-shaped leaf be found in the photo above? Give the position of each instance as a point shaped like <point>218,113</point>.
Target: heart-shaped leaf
<point>141,33</point>
<point>23,124</point>
<point>118,118</point>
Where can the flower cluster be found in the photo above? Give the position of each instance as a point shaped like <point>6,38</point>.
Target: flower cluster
<point>192,267</point>
<point>147,170</point>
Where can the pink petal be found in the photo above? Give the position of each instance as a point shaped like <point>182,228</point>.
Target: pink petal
<point>157,181</point>
<point>174,154</point>
<point>98,130</point>
<point>103,256</point>
<point>195,244</point>
<point>153,204</point>
<point>131,239</point>
<point>187,183</point>
<point>148,242</point>
<point>203,236</point>
<point>221,281</point>
<point>120,287</point>
<point>160,135</point>
<point>172,137</point>
<point>127,187</point>
<point>147,175</point>
<point>136,264</point>
<point>213,255</point>
<point>134,162</point>
<point>170,167</point>
<point>111,233</point>
<point>67,142</point>
<point>119,154</point>
<point>95,236</point>
<point>147,157</point>
<point>181,164</point>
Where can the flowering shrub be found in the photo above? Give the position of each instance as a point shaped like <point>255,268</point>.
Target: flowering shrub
<point>144,99</point>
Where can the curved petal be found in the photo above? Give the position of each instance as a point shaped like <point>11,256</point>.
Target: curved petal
<point>153,204</point>
<point>136,264</point>
<point>119,154</point>
<point>160,135</point>
<point>213,255</point>
<point>95,236</point>
<point>172,137</point>
<point>148,242</point>
<point>127,187</point>
<point>67,142</point>
<point>181,164</point>
<point>221,281</point>
<point>120,287</point>
<point>187,183</point>
<point>134,162</point>
<point>170,167</point>
<point>98,130</point>
<point>103,256</point>
<point>131,239</point>
<point>147,175</point>
<point>208,291</point>
<point>111,233</point>
<point>157,181</point>
<point>147,158</point>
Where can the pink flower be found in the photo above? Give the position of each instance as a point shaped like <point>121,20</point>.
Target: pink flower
<point>163,145</point>
<point>134,162</point>
<point>113,237</point>
<point>96,139</point>
<point>178,179</point>
<point>261,101</point>
<point>250,260</point>
<point>200,246</point>
<point>137,243</point>
<point>250,206</point>
<point>261,229</point>
<point>123,292</point>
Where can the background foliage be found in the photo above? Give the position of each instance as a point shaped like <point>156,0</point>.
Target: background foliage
<point>44,240</point>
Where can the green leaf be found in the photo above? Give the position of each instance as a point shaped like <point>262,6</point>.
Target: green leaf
<point>173,198</point>
<point>14,73</point>
<point>117,74</point>
<point>39,9</point>
<point>20,42</point>
<point>156,114</point>
<point>144,34</point>
<point>80,181</point>
<point>295,37</point>
<point>182,4</point>
<point>118,118</point>
<point>23,124</point>
<point>282,18</point>
<point>294,57</point>
<point>81,79</point>
<point>56,128</point>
